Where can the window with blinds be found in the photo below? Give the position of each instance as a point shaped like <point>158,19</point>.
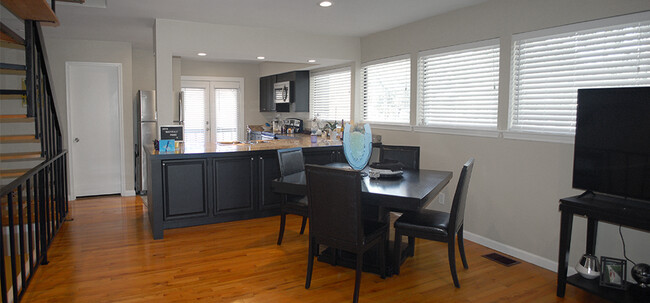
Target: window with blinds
<point>459,86</point>
<point>194,103</point>
<point>330,94</point>
<point>548,70</point>
<point>227,113</point>
<point>387,91</point>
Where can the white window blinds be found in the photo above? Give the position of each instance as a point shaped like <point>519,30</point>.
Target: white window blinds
<point>331,94</point>
<point>387,91</point>
<point>459,86</point>
<point>194,103</point>
<point>227,113</point>
<point>548,71</point>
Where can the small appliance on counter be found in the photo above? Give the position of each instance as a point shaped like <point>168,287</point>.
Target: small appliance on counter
<point>294,125</point>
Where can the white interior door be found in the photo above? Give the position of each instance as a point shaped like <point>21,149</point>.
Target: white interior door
<point>94,94</point>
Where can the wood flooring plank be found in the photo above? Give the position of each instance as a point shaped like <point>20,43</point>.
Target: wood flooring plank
<point>107,254</point>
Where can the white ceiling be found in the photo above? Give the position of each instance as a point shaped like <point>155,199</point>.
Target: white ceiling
<point>133,20</point>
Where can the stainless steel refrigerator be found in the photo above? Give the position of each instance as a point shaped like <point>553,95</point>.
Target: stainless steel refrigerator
<point>145,131</point>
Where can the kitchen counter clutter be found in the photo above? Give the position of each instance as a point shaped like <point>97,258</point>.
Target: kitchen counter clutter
<point>220,182</point>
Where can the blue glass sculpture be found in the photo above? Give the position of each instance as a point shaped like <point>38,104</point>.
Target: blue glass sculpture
<point>357,145</point>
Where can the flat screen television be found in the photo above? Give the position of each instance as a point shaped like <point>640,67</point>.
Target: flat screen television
<point>612,142</point>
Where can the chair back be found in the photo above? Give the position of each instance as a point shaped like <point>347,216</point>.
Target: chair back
<point>291,161</point>
<point>457,214</point>
<point>407,155</point>
<point>334,205</point>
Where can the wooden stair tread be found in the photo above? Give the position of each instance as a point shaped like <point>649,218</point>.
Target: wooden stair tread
<point>19,139</point>
<point>12,173</point>
<point>15,119</point>
<point>7,42</point>
<point>37,10</point>
<point>20,156</point>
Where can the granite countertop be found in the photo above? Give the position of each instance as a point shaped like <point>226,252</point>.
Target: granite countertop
<point>298,140</point>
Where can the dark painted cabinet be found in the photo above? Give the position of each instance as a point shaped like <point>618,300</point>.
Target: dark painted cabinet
<point>299,92</point>
<point>185,183</point>
<point>267,103</point>
<point>233,188</point>
<point>269,169</point>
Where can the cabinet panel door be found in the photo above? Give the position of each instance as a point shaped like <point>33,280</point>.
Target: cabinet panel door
<point>267,103</point>
<point>290,76</point>
<point>301,92</point>
<point>233,184</point>
<point>269,170</point>
<point>185,194</point>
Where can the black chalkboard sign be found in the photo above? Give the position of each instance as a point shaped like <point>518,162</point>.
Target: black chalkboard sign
<point>171,132</point>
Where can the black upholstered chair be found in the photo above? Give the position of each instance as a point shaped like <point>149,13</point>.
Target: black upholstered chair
<point>407,155</point>
<point>438,226</point>
<point>291,161</point>
<point>335,218</point>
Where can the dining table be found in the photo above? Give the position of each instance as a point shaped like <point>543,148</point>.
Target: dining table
<point>409,191</point>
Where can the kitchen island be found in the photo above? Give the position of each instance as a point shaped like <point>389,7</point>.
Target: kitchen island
<point>221,182</point>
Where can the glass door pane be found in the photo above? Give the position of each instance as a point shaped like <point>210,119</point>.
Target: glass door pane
<point>194,114</point>
<point>226,113</point>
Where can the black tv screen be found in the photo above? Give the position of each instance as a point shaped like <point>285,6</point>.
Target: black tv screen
<point>612,142</point>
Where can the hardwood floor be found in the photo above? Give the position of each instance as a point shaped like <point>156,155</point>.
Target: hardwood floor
<point>107,254</point>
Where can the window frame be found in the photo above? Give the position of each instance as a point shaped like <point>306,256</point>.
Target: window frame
<point>406,126</point>
<point>457,129</point>
<point>338,69</point>
<point>509,132</point>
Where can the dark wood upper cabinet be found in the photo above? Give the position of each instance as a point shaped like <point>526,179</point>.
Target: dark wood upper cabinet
<point>299,92</point>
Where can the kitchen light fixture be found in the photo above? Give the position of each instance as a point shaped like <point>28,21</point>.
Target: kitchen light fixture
<point>261,57</point>
<point>311,60</point>
<point>325,3</point>
<point>202,54</point>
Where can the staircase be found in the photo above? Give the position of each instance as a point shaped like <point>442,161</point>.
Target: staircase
<point>20,148</point>
<point>33,163</point>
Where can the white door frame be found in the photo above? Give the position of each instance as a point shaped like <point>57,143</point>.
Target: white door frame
<point>240,102</point>
<point>71,193</point>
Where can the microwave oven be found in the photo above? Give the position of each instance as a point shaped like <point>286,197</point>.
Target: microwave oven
<point>282,92</point>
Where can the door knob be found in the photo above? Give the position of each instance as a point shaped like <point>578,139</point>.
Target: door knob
<point>76,140</point>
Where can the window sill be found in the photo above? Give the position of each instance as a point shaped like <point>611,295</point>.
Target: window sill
<point>387,126</point>
<point>458,131</point>
<point>553,138</point>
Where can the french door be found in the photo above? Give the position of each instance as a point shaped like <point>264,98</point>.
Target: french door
<point>212,110</point>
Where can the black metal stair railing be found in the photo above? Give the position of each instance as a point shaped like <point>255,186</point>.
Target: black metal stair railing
<point>34,206</point>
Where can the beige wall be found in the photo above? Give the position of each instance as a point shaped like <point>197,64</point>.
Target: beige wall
<point>60,51</point>
<point>516,184</point>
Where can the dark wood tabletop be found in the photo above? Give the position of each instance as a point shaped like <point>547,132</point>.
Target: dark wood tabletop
<point>411,191</point>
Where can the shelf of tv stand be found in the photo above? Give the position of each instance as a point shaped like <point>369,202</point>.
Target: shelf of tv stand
<point>630,295</point>
<point>596,208</point>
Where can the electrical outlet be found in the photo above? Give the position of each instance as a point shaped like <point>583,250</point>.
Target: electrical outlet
<point>441,198</point>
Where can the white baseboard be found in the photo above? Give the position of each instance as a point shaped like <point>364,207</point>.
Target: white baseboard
<point>515,252</point>
<point>128,193</point>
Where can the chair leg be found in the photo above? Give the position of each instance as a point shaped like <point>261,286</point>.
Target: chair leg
<point>461,247</point>
<point>302,227</point>
<point>411,249</point>
<point>452,259</point>
<point>357,280</point>
<point>310,262</point>
<point>397,251</point>
<point>382,258</point>
<point>283,219</point>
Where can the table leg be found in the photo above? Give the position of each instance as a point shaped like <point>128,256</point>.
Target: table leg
<point>592,231</point>
<point>563,259</point>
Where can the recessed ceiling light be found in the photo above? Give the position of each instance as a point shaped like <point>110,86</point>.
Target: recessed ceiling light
<point>261,57</point>
<point>202,54</point>
<point>325,3</point>
<point>311,61</point>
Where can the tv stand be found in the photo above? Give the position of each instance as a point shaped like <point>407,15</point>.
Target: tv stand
<point>598,208</point>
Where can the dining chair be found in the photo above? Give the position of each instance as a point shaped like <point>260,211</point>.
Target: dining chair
<point>407,155</point>
<point>438,226</point>
<point>291,161</point>
<point>335,219</point>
